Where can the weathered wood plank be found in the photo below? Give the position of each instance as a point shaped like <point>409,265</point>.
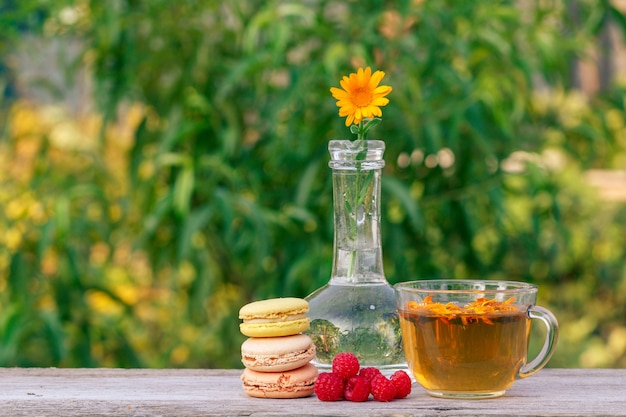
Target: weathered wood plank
<point>143,392</point>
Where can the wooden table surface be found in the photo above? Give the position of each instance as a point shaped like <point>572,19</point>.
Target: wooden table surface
<point>169,392</point>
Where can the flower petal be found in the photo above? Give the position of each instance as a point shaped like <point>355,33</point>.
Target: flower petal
<point>382,90</point>
<point>380,101</point>
<point>376,79</point>
<point>349,119</point>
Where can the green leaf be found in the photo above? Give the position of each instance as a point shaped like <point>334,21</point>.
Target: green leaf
<point>183,189</point>
<point>369,125</point>
<point>401,192</point>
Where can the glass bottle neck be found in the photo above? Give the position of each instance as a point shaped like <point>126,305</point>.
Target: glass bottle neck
<point>357,171</point>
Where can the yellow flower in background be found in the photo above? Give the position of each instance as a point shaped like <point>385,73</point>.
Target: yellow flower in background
<point>360,97</point>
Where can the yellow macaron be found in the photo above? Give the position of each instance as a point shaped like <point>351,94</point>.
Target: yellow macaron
<point>274,317</point>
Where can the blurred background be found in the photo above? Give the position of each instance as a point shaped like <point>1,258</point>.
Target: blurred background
<point>164,162</point>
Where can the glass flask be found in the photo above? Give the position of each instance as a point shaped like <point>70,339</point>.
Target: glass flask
<point>356,310</point>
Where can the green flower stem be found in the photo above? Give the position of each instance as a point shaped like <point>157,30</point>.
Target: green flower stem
<point>360,191</point>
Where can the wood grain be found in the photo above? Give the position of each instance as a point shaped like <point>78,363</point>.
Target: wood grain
<point>171,392</point>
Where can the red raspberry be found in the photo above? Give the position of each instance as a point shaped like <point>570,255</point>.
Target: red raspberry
<point>369,372</point>
<point>357,389</point>
<point>329,387</point>
<point>346,365</point>
<point>402,381</point>
<point>383,389</point>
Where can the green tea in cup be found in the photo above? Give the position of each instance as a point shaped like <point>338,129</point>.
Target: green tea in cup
<point>469,339</point>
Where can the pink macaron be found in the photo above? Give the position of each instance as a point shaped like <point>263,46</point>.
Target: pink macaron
<point>297,383</point>
<point>277,354</point>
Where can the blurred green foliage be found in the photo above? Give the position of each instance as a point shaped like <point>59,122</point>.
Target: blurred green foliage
<point>132,235</point>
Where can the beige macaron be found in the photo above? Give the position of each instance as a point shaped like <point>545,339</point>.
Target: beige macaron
<point>296,383</point>
<point>273,354</point>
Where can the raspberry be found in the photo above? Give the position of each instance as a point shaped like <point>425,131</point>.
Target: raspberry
<point>383,389</point>
<point>402,381</point>
<point>329,387</point>
<point>346,365</point>
<point>369,372</point>
<point>357,389</point>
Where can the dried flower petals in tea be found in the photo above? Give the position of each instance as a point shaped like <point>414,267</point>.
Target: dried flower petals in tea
<point>480,309</point>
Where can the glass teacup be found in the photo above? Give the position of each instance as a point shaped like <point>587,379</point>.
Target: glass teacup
<point>469,338</point>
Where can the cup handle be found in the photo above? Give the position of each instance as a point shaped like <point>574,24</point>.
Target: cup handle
<point>552,328</point>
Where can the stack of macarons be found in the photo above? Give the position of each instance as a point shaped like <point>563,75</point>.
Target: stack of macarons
<point>276,354</point>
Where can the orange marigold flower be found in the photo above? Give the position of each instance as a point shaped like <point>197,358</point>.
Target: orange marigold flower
<point>360,97</point>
